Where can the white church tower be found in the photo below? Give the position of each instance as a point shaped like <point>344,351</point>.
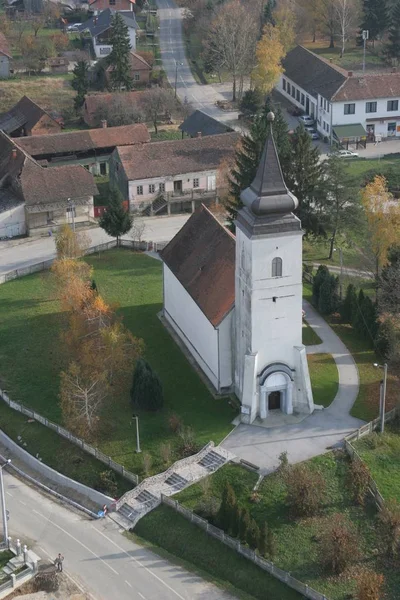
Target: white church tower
<point>271,370</point>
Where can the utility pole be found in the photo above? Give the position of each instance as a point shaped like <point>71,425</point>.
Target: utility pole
<point>177,65</point>
<point>71,206</point>
<point>341,272</point>
<point>383,393</point>
<point>3,503</point>
<point>365,36</point>
<point>138,450</point>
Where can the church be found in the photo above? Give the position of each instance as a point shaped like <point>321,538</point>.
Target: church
<point>236,302</point>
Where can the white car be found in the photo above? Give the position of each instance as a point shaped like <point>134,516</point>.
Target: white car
<point>312,133</point>
<point>306,120</point>
<point>348,154</point>
<point>73,27</point>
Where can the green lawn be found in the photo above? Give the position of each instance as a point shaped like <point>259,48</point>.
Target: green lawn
<point>382,455</point>
<point>167,531</point>
<point>324,378</point>
<point>297,546</point>
<point>352,58</point>
<point>310,338</point>
<point>31,358</point>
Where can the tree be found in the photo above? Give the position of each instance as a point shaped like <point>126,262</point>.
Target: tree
<point>119,57</point>
<point>271,544</point>
<point>263,540</point>
<point>119,350</point>
<point>38,21</point>
<point>146,391</point>
<point>252,101</point>
<point>340,205</point>
<point>253,534</point>
<point>370,585</point>
<point>116,220</point>
<point>285,23</point>
<point>349,304</point>
<point>244,524</point>
<point>346,17</point>
<point>374,18</point>
<point>312,11</point>
<point>329,19</point>
<point>269,11</point>
<point>390,528</point>
<point>358,480</point>
<point>269,55</point>
<point>80,82</point>
<point>305,490</point>
<point>227,511</point>
<point>339,543</point>
<point>231,41</point>
<point>121,110</point>
<point>155,102</point>
<point>70,244</point>
<point>383,218</point>
<point>393,45</point>
<point>35,52</point>
<point>305,179</point>
<point>328,295</point>
<point>321,275</point>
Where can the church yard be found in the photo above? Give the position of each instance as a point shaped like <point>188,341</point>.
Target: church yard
<point>324,378</point>
<point>297,540</point>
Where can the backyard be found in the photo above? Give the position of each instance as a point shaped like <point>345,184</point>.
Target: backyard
<point>32,358</point>
<point>352,58</point>
<point>297,540</point>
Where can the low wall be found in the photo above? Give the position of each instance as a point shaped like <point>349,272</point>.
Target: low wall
<point>52,475</point>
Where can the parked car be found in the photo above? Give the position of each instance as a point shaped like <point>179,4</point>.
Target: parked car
<point>306,120</point>
<point>73,27</point>
<point>348,154</point>
<point>312,133</point>
<point>295,111</point>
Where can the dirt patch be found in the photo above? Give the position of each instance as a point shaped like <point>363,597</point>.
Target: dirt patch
<point>67,590</point>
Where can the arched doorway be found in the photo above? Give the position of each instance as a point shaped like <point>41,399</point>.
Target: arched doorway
<point>276,390</point>
<point>274,400</point>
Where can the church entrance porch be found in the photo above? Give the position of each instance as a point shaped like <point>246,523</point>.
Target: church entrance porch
<point>274,400</point>
<point>276,392</point>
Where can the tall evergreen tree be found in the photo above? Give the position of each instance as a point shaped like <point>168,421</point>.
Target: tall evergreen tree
<point>349,304</point>
<point>146,391</point>
<point>393,45</point>
<point>80,82</point>
<point>374,18</point>
<point>248,155</point>
<point>116,221</point>
<point>119,57</point>
<point>253,534</point>
<point>305,178</point>
<point>358,318</point>
<point>321,275</point>
<point>244,524</point>
<point>226,513</point>
<point>268,12</point>
<point>263,540</point>
<point>328,295</point>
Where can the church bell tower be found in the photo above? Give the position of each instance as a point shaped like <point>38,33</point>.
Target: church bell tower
<point>271,371</point>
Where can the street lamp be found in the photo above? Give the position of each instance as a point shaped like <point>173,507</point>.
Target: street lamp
<point>365,36</point>
<point>137,433</point>
<point>3,502</point>
<point>177,65</point>
<point>383,394</point>
<point>71,206</point>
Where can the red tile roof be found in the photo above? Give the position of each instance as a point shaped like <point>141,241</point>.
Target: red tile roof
<point>369,87</point>
<point>81,141</point>
<point>202,258</point>
<point>4,46</point>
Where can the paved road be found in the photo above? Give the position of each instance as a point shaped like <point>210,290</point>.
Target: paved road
<point>202,97</point>
<point>16,254</point>
<point>101,560</point>
<point>318,432</point>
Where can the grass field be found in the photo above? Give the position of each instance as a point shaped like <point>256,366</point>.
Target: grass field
<point>49,91</point>
<point>31,358</point>
<point>382,455</point>
<point>352,58</point>
<point>324,378</point>
<point>297,545</point>
<point>310,338</point>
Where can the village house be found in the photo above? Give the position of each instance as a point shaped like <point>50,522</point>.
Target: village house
<point>173,176</point>
<point>5,57</point>
<point>98,6</point>
<point>198,124</point>
<point>347,107</point>
<point>91,149</point>
<point>99,28</point>
<point>35,199</point>
<point>140,69</point>
<point>27,118</point>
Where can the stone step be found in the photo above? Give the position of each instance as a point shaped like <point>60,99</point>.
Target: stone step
<point>145,496</point>
<point>212,461</point>
<point>128,512</point>
<point>176,481</point>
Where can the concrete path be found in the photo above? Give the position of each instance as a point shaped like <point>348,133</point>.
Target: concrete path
<point>317,433</point>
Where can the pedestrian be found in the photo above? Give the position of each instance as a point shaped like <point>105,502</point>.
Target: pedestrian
<point>59,562</point>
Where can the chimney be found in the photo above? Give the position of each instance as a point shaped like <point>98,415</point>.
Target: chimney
<point>350,73</point>
<point>103,123</point>
<point>199,134</point>
<point>14,153</point>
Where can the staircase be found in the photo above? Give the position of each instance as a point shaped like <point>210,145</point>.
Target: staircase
<point>147,495</point>
<point>155,207</point>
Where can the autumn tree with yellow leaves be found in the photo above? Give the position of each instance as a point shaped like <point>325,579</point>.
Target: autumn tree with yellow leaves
<point>269,54</point>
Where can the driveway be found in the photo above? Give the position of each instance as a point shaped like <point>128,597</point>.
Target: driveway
<point>317,433</point>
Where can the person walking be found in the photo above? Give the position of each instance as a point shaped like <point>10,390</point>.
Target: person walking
<point>59,562</point>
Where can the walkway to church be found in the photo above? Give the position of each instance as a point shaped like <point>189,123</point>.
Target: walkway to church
<point>317,433</point>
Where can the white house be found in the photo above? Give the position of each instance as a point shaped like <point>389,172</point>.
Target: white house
<point>346,106</point>
<point>237,303</point>
<point>172,176</point>
<point>99,28</point>
<point>5,57</point>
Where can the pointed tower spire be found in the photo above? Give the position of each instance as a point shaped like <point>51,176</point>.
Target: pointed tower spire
<point>268,193</point>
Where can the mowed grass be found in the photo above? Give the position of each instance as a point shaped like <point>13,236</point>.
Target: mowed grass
<point>310,338</point>
<point>32,356</point>
<point>324,378</point>
<point>352,58</point>
<point>381,452</point>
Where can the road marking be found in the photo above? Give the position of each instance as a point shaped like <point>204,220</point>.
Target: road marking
<point>78,585</point>
<point>127,583</point>
<point>139,563</point>
<point>141,595</point>
<point>21,502</point>
<point>9,494</point>
<point>76,540</point>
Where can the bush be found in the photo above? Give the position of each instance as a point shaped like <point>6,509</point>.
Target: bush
<point>187,442</point>
<point>175,423</point>
<point>370,586</point>
<point>252,102</point>
<point>227,513</point>
<point>147,463</point>
<point>208,508</point>
<point>358,480</point>
<point>107,483</point>
<point>305,490</point>
<point>263,540</point>
<point>390,528</point>
<point>146,391</point>
<point>340,544</point>
<point>166,453</point>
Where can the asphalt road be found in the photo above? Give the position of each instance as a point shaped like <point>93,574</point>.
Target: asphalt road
<point>103,562</point>
<point>17,254</point>
<point>202,97</point>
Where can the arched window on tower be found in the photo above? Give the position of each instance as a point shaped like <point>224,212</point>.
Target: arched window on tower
<point>277,267</point>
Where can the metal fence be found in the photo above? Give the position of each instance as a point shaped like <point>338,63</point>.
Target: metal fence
<point>251,555</point>
<point>107,460</point>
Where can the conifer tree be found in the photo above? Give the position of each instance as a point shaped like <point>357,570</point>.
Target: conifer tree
<point>271,544</point>
<point>226,513</point>
<point>349,304</point>
<point>244,524</point>
<point>374,18</point>
<point>116,220</point>
<point>358,321</point>
<point>253,534</point>
<point>146,391</point>
<point>263,540</point>
<point>328,295</point>
<point>235,523</point>
<point>320,276</point>
<point>393,45</point>
<point>80,82</point>
<point>119,57</point>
